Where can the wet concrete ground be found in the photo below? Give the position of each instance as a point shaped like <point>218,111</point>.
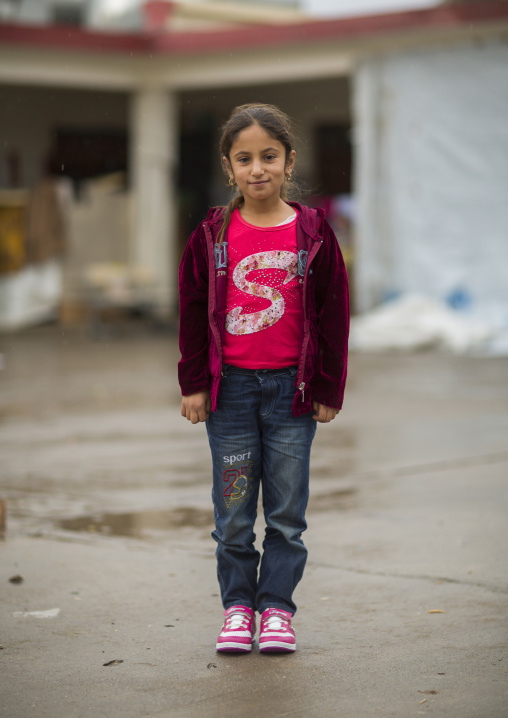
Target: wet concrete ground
<point>109,517</point>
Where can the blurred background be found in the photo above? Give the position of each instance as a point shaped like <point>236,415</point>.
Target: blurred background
<point>110,119</point>
<point>110,114</point>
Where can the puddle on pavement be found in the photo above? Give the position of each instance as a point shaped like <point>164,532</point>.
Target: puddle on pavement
<point>143,524</point>
<point>140,524</point>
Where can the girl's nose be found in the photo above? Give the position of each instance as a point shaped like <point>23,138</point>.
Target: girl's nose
<point>256,167</point>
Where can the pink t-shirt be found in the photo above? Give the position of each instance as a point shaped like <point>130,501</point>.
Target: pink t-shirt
<point>263,300</point>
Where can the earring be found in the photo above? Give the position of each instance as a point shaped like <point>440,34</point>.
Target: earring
<point>288,178</point>
<point>232,182</point>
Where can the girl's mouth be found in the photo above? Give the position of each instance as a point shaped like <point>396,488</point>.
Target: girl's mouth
<point>260,183</point>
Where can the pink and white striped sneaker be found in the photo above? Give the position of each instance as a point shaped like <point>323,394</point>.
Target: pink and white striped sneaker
<point>276,633</point>
<point>238,630</point>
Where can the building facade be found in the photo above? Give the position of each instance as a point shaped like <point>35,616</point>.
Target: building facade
<point>411,100</point>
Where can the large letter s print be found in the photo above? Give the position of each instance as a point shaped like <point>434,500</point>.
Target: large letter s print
<point>238,323</point>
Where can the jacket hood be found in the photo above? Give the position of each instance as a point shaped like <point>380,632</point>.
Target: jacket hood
<point>312,219</point>
<point>215,214</point>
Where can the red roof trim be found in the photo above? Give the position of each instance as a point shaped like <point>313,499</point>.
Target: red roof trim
<point>64,38</point>
<point>57,37</point>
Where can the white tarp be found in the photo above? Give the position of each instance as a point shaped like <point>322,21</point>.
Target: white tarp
<point>412,322</point>
<point>31,295</point>
<point>432,176</point>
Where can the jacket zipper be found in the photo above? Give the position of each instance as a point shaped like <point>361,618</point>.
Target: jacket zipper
<point>310,258</point>
<point>211,292</point>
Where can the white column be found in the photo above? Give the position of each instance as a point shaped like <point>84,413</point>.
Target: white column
<point>154,131</point>
<point>372,245</point>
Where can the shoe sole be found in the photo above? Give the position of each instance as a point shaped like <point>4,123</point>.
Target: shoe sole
<point>232,647</point>
<point>276,647</point>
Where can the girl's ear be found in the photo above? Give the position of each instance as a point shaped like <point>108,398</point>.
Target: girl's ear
<point>291,162</point>
<point>227,167</point>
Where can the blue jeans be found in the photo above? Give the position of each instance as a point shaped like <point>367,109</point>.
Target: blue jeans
<point>254,439</point>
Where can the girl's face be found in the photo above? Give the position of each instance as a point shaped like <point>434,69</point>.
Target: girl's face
<point>257,163</point>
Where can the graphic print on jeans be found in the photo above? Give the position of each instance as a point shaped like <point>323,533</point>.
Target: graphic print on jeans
<point>238,323</point>
<point>237,479</point>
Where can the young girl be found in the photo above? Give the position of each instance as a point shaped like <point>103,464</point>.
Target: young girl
<point>264,320</point>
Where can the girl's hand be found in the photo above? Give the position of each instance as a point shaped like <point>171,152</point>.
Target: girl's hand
<point>323,414</point>
<point>196,407</point>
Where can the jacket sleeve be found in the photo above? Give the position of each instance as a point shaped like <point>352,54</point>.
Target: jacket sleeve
<point>193,333</point>
<point>332,308</point>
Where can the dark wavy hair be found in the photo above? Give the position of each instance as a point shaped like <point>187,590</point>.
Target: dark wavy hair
<point>274,122</point>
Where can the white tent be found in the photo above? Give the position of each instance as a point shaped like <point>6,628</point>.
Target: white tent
<point>432,176</point>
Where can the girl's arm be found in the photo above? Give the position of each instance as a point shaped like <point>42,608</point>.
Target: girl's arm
<point>332,306</point>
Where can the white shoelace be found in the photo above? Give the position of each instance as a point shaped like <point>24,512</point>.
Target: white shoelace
<point>236,621</point>
<point>275,623</point>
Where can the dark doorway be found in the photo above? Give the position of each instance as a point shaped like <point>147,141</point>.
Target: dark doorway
<point>84,153</point>
<point>334,184</point>
<point>333,158</point>
<point>195,171</point>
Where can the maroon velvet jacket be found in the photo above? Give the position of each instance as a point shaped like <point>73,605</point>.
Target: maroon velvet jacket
<point>322,364</point>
